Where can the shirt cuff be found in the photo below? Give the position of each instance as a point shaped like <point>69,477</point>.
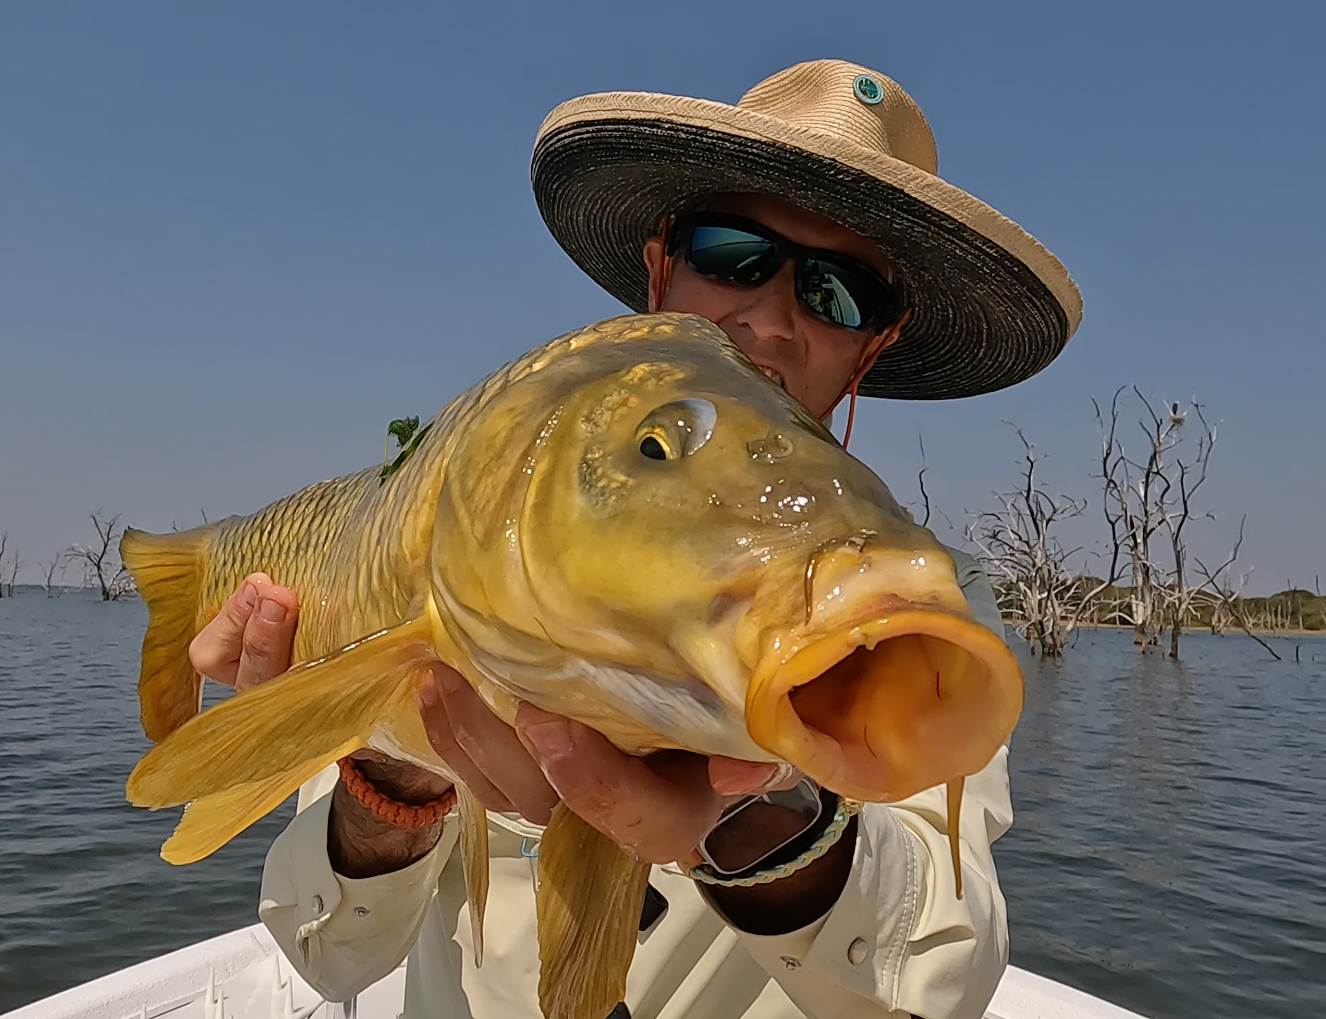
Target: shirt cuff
<point>850,957</point>
<point>898,940</point>
<point>342,934</point>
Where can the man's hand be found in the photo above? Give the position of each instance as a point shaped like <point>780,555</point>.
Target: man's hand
<point>658,807</point>
<point>250,640</point>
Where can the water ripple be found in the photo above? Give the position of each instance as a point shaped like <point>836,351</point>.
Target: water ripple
<point>82,889</point>
<point>1167,847</point>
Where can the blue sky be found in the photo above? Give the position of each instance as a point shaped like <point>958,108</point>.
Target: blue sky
<point>236,240</point>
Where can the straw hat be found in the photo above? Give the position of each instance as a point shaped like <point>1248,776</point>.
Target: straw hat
<point>990,305</point>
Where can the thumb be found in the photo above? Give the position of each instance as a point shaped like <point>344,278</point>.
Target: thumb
<point>215,652</point>
<point>729,776</point>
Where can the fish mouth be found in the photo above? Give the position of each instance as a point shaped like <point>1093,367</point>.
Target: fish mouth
<point>889,707</point>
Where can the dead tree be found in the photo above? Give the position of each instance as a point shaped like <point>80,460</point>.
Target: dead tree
<point>1149,502</point>
<point>14,563</point>
<point>1018,545</point>
<point>1182,479</point>
<point>8,561</point>
<point>100,560</point>
<point>1132,513</point>
<point>59,562</point>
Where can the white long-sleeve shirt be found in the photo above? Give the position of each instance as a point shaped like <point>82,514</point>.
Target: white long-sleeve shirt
<point>897,942</point>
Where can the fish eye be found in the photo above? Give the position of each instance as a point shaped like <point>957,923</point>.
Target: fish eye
<point>676,429</point>
<point>652,448</point>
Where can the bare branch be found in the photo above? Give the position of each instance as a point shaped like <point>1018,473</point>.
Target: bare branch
<point>58,562</point>
<point>14,563</point>
<point>100,559</point>
<point>1228,595</point>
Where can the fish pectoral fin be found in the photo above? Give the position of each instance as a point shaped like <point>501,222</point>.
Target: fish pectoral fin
<point>288,723</point>
<point>474,856</point>
<point>588,905</point>
<point>953,792</point>
<point>211,822</point>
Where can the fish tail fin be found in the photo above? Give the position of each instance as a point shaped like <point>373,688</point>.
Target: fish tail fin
<point>292,725</point>
<point>168,571</point>
<point>588,907</point>
<point>474,855</point>
<point>211,822</point>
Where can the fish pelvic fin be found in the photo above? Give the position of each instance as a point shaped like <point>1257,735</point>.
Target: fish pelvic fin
<point>211,822</point>
<point>300,719</point>
<point>588,906</point>
<point>953,792</point>
<point>168,571</point>
<point>474,855</point>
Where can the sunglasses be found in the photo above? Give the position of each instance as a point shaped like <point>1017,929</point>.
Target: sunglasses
<point>736,250</point>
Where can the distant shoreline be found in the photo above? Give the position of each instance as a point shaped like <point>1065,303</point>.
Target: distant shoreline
<point>1232,631</point>
<point>62,590</point>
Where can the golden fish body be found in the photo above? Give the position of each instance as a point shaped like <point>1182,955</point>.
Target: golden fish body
<point>629,526</point>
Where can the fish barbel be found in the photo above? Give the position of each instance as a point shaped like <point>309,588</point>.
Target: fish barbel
<point>630,526</point>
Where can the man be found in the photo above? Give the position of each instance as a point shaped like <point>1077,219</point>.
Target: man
<point>807,223</point>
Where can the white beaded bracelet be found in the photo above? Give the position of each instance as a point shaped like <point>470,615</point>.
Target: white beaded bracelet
<point>846,810</point>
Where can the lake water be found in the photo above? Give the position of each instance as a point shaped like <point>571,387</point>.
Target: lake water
<point>1167,855</point>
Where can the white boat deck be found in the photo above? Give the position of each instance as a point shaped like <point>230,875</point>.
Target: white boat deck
<point>242,975</point>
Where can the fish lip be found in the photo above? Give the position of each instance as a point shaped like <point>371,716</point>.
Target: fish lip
<point>885,746</point>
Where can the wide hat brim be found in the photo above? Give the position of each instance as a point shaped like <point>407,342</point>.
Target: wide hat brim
<point>990,305</point>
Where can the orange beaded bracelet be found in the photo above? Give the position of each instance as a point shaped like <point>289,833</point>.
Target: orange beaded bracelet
<point>403,815</point>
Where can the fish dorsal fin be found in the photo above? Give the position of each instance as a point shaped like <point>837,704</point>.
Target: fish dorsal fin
<point>588,904</point>
<point>283,725</point>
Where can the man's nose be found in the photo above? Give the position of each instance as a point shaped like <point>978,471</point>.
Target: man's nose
<point>770,312</point>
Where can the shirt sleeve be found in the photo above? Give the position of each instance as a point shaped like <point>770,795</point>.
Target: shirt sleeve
<point>342,934</point>
<point>899,941</point>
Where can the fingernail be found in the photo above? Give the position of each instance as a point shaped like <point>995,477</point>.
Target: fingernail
<point>272,610</point>
<point>730,777</point>
<point>247,597</point>
<point>428,697</point>
<point>549,739</point>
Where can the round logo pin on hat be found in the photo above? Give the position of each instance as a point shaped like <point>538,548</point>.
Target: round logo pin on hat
<point>867,89</point>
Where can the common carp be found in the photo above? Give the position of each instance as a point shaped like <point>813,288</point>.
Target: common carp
<point>631,526</point>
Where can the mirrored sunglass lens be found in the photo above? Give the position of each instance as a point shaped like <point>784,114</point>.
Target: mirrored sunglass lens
<point>838,294</point>
<point>730,254</point>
